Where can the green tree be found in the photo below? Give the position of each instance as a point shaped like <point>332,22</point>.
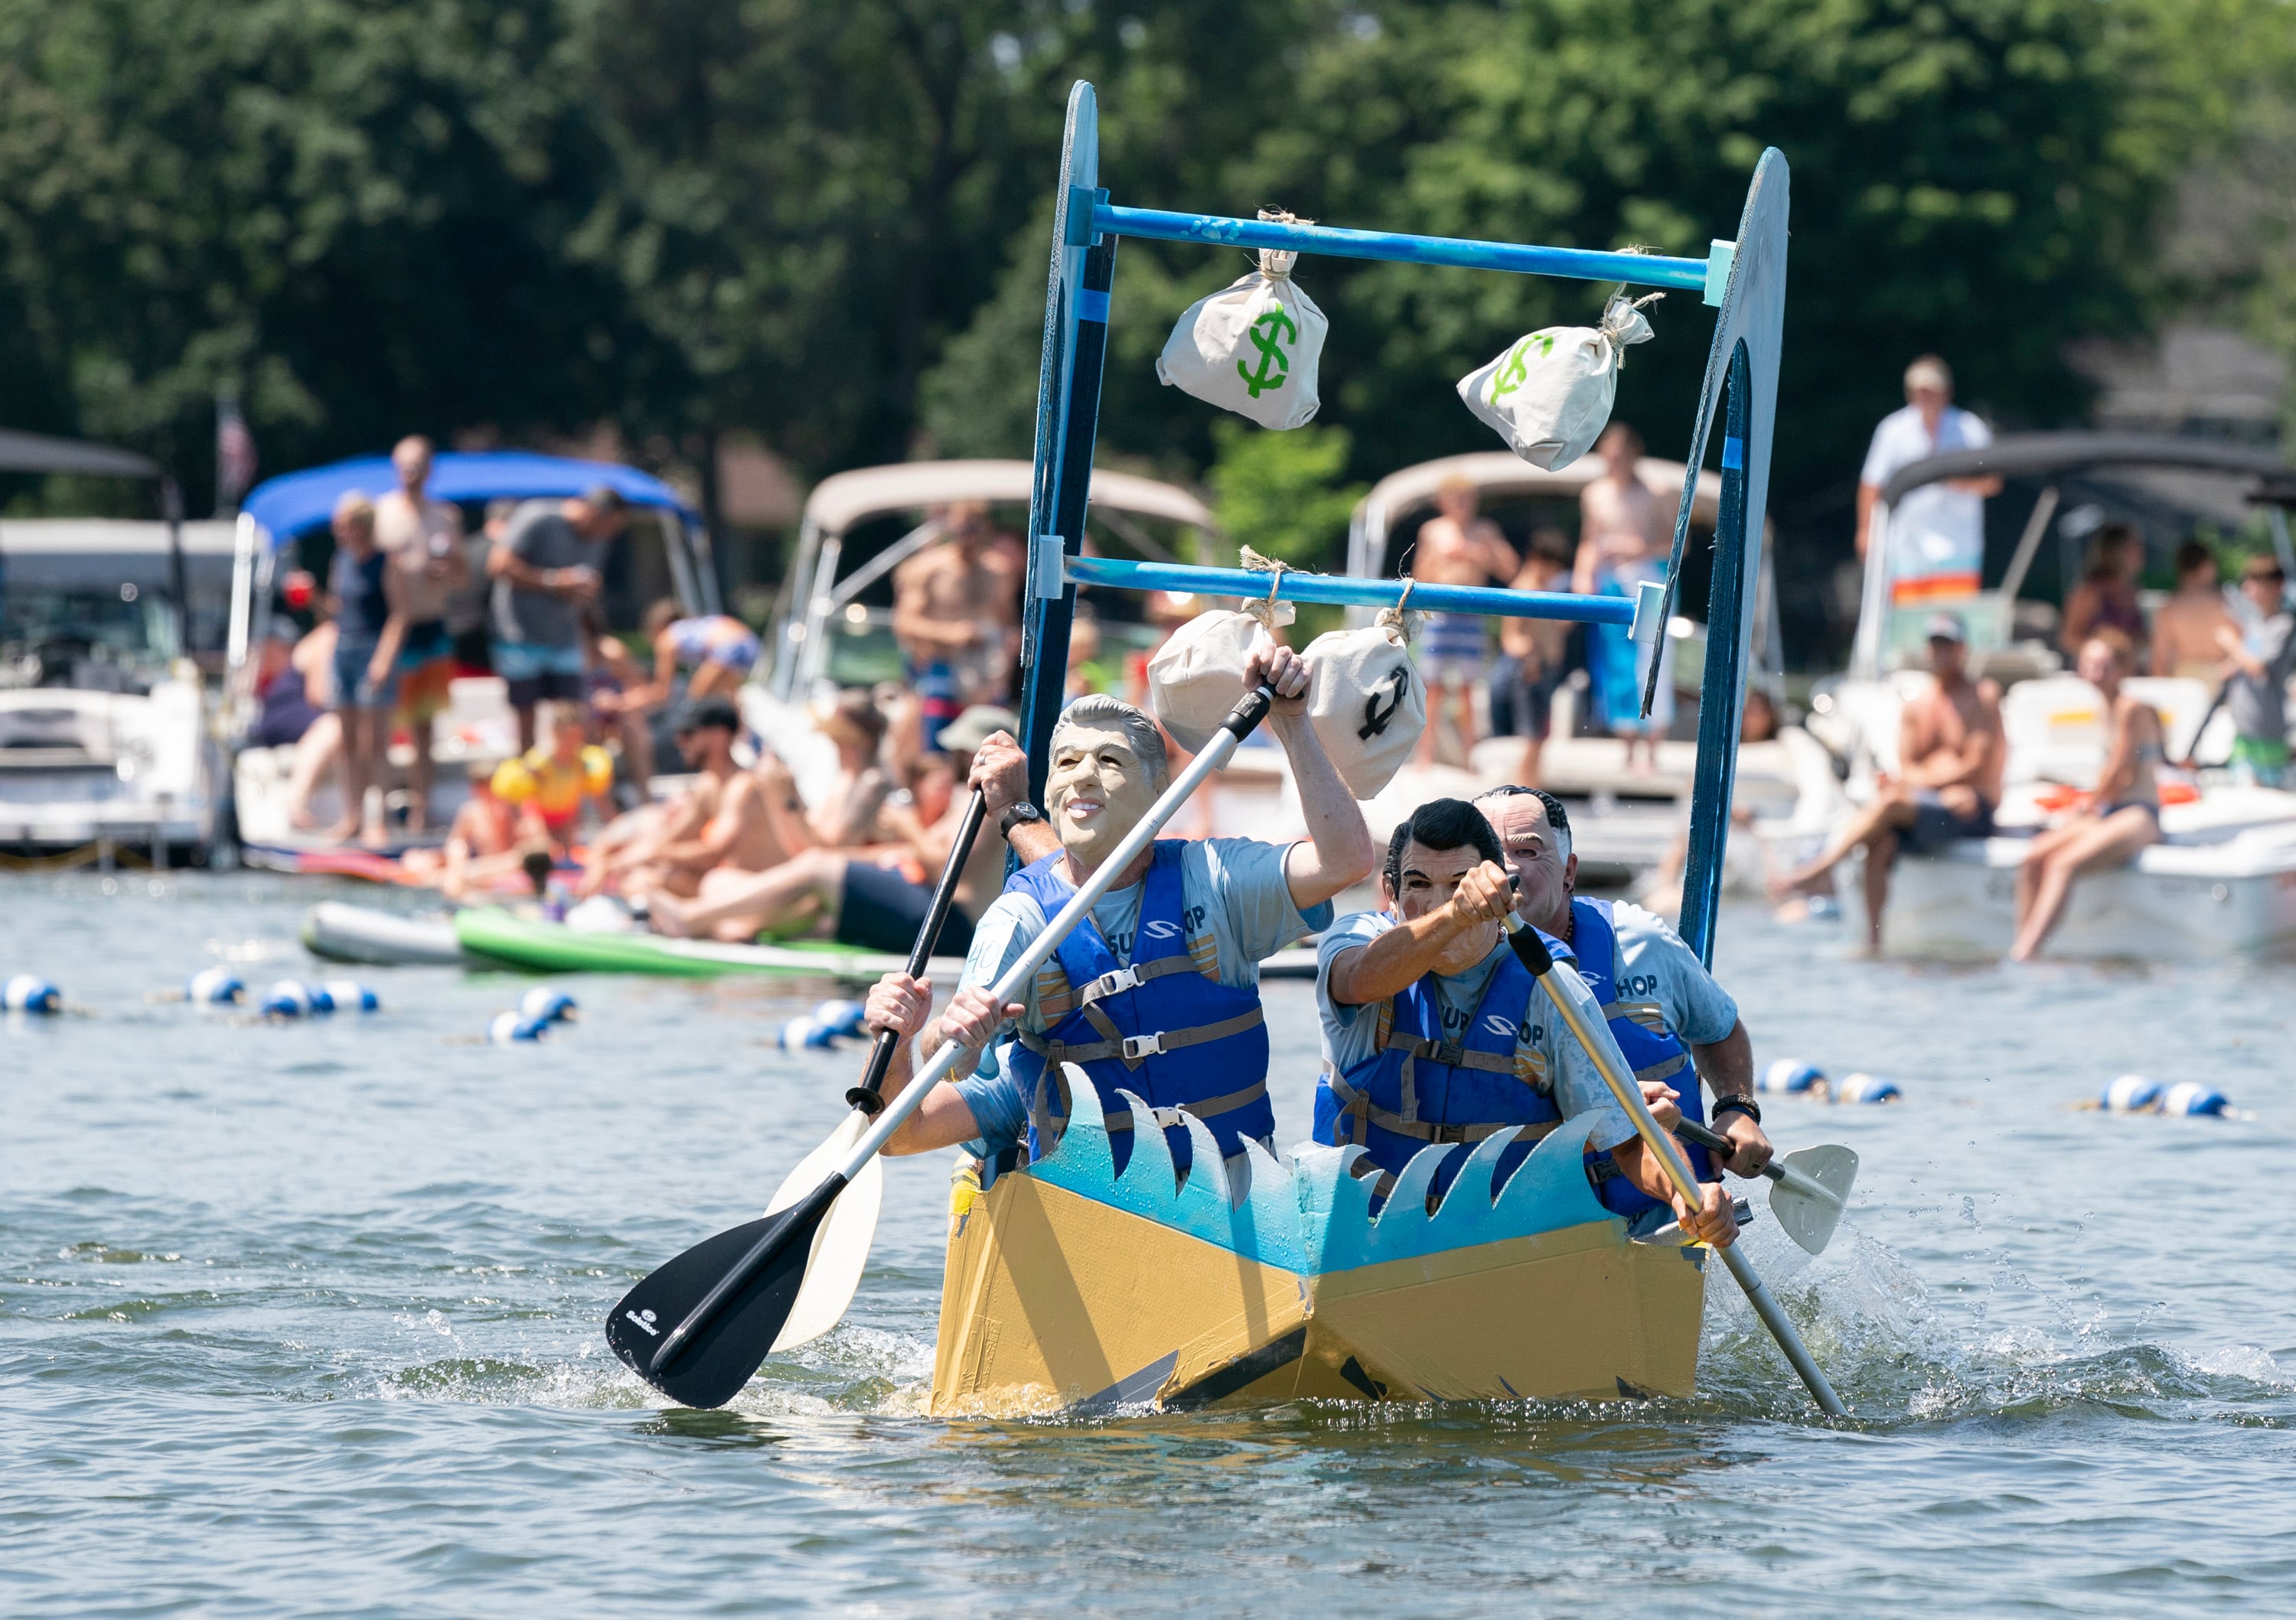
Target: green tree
<point>1282,494</point>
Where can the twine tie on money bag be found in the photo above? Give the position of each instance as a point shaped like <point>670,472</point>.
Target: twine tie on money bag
<point>1252,347</point>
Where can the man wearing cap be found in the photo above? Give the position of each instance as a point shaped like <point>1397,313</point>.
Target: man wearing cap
<point>548,566</point>
<point>721,824</point>
<point>1951,752</point>
<point>1938,531</point>
<point>1157,993</point>
<point>1672,1020</point>
<point>841,894</point>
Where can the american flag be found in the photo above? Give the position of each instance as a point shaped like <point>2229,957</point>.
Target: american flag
<point>234,452</point>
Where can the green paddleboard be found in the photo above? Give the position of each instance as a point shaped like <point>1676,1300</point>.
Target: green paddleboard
<point>552,947</point>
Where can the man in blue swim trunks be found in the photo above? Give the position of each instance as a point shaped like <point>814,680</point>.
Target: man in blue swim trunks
<point>1158,993</point>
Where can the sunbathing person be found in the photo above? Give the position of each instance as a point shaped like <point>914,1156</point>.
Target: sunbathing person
<point>722,822</point>
<point>2123,814</point>
<point>482,847</point>
<point>1951,753</point>
<point>874,898</point>
<point>719,649</point>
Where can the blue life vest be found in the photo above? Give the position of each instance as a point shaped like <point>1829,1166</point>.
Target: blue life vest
<point>1652,1050</point>
<point>1417,1088</point>
<point>1163,1029</point>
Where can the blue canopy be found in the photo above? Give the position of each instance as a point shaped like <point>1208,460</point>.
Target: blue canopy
<point>298,502</point>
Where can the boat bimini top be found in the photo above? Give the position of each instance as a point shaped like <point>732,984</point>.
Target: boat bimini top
<point>2052,457</point>
<point>844,501</point>
<point>279,510</point>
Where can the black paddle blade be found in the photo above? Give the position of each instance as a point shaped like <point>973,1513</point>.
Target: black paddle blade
<point>752,1272</point>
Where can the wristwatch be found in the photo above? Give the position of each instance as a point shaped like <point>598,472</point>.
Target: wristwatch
<point>1014,816</point>
<point>1736,1102</point>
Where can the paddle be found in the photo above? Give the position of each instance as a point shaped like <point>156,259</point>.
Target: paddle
<point>2190,761</point>
<point>867,1097</point>
<point>1584,1017</point>
<point>1812,1184</point>
<point>731,1297</point>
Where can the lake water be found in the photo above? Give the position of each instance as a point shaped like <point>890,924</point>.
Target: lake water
<point>306,1319</point>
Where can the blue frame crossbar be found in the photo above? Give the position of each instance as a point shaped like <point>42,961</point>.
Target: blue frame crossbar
<point>1344,590</point>
<point>1705,276</point>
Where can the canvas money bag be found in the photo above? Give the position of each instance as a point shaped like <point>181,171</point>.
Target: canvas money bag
<point>1195,680</point>
<point>1251,348</point>
<point>1549,394</point>
<point>1365,701</point>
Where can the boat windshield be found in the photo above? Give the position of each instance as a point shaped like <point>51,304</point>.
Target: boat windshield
<point>115,639</point>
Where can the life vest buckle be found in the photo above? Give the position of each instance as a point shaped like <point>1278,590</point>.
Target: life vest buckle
<point>1137,1047</point>
<point>1112,983</point>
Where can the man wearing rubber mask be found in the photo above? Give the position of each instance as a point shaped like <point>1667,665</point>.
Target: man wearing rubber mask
<point>1435,1033</point>
<point>1673,1022</point>
<point>1158,993</point>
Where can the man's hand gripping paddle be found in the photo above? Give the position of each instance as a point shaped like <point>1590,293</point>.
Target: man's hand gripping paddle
<point>1810,1186</point>
<point>1584,1017</point>
<point>698,1327</point>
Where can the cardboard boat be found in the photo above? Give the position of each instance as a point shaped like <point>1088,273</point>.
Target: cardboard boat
<point>1072,1288</point>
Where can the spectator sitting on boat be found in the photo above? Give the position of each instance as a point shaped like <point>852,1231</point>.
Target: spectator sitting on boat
<point>1623,542</point>
<point>2185,626</point>
<point>423,540</point>
<point>1457,548</point>
<point>2256,670</point>
<point>2106,597</point>
<point>956,614</point>
<point>717,648</point>
<point>847,810</point>
<point>1951,753</point>
<point>1681,1027</point>
<point>1531,653</point>
<point>1171,960</point>
<point>875,898</point>
<point>549,786</point>
<point>1435,1033</point>
<point>2123,813</point>
<point>722,822</point>
<point>483,844</point>
<point>613,672</point>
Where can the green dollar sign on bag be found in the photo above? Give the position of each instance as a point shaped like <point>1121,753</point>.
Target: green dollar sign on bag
<point>1267,333</point>
<point>1516,367</point>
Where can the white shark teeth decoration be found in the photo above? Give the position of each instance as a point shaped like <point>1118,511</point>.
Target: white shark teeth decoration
<point>1083,1154</point>
<point>1552,1181</point>
<point>1469,1193</point>
<point>1413,1184</point>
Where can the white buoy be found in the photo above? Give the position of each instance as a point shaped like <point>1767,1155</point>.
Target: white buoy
<point>288,999</point>
<point>348,995</point>
<point>546,1005</point>
<point>215,987</point>
<point>800,1033</point>
<point>1867,1088</point>
<point>510,1027</point>
<point>2131,1094</point>
<point>1788,1075</point>
<point>2190,1097</point>
<point>840,1017</point>
<point>29,992</point>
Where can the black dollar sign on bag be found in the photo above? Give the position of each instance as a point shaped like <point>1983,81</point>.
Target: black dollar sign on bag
<point>1375,718</point>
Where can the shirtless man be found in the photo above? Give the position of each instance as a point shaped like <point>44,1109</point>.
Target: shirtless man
<point>482,844</point>
<point>1950,753</point>
<point>2186,626</point>
<point>956,614</point>
<point>1457,548</point>
<point>841,894</point>
<point>423,539</point>
<point>722,822</point>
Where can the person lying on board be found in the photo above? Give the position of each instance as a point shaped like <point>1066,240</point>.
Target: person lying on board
<point>1673,1021</point>
<point>876,899</point>
<point>718,649</point>
<point>483,849</point>
<point>722,820</point>
<point>549,786</point>
<point>1158,991</point>
<point>1435,1033</point>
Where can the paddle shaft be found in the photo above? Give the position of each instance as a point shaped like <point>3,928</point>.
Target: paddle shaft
<point>1584,1019</point>
<point>1784,1175</point>
<point>2193,753</point>
<point>1232,731</point>
<point>869,1095</point>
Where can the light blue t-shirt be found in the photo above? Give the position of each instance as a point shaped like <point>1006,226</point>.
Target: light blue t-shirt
<point>1231,889</point>
<point>1654,965</point>
<point>1349,1031</point>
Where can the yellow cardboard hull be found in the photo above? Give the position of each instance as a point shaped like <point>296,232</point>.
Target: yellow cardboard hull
<point>1070,1287</point>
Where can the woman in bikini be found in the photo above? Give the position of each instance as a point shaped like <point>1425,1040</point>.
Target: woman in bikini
<point>2123,815</point>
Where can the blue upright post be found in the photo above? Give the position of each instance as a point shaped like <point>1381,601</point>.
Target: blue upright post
<point>1723,686</point>
<point>1068,418</point>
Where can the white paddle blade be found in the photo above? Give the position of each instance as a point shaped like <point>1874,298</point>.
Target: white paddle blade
<point>1808,1201</point>
<point>840,1243</point>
